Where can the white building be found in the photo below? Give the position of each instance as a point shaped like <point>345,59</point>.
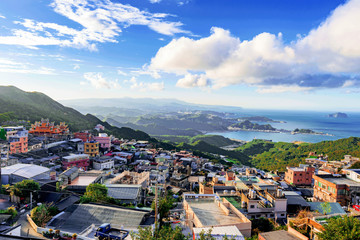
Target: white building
<point>103,163</point>
<point>18,172</point>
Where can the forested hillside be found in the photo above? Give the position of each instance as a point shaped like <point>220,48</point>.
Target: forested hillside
<point>276,156</point>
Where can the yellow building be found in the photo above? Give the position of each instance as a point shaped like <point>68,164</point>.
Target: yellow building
<point>91,148</point>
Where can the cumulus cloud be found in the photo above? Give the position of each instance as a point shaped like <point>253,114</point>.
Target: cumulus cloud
<point>327,57</point>
<point>100,20</point>
<point>98,81</point>
<point>193,80</point>
<point>76,66</point>
<point>120,72</point>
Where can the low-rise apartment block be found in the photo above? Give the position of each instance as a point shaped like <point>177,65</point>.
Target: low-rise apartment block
<point>298,176</point>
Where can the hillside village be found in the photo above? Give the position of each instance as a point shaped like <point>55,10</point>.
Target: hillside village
<point>58,184</point>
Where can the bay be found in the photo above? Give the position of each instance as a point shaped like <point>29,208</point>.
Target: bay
<point>316,121</point>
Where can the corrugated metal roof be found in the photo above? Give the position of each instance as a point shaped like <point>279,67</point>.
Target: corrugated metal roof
<point>123,191</point>
<point>24,170</point>
<point>335,207</point>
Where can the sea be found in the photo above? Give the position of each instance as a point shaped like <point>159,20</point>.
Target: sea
<point>316,121</point>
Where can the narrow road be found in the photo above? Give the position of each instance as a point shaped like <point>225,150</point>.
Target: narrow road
<point>26,229</point>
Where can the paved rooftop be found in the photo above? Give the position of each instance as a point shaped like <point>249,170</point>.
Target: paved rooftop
<point>210,214</point>
<point>278,235</point>
<point>83,180</point>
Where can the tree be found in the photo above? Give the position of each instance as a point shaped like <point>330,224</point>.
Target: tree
<point>346,228</point>
<point>2,134</point>
<point>95,192</point>
<point>22,189</point>
<point>326,207</point>
<point>261,225</point>
<point>164,206</point>
<point>43,213</point>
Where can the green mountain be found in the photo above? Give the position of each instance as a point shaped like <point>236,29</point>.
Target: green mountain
<point>276,156</point>
<point>32,106</point>
<point>216,140</point>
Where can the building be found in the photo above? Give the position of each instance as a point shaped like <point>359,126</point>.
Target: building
<point>18,139</point>
<point>81,217</point>
<point>128,177</point>
<point>104,141</point>
<point>299,176</point>
<point>47,128</point>
<point>126,193</point>
<point>84,136</point>
<point>99,127</point>
<point>257,204</point>
<point>18,172</point>
<point>207,210</point>
<point>291,234</point>
<point>103,163</point>
<point>77,181</point>
<point>344,189</point>
<point>218,233</point>
<point>91,148</point>
<point>76,160</point>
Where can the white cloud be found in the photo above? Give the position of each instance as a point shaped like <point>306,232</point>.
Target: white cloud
<point>146,71</point>
<point>100,20</point>
<point>2,16</point>
<point>193,80</point>
<point>283,88</point>
<point>328,57</point>
<point>10,66</point>
<point>120,72</point>
<point>76,66</point>
<point>155,1</point>
<point>98,81</point>
<point>145,86</point>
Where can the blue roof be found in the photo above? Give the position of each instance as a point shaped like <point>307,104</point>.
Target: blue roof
<point>335,207</point>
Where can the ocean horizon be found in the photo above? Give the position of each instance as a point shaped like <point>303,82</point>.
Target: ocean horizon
<point>316,121</point>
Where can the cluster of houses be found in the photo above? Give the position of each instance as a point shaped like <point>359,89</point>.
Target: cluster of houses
<point>225,200</point>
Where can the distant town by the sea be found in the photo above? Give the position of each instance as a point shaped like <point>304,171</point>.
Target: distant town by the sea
<point>317,121</point>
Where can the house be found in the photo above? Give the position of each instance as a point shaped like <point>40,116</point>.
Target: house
<point>128,177</point>
<point>81,216</point>
<point>256,204</point>
<point>76,160</point>
<point>301,175</point>
<point>344,189</point>
<point>84,136</point>
<point>282,235</point>
<point>218,233</point>
<point>91,148</point>
<point>126,193</point>
<point>104,141</point>
<point>208,210</point>
<point>18,172</point>
<point>77,181</point>
<point>103,163</point>
<point>18,139</point>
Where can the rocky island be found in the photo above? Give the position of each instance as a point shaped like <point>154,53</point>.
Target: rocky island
<point>338,115</point>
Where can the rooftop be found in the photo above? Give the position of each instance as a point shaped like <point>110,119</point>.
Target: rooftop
<point>83,215</point>
<point>83,180</point>
<point>230,231</point>
<point>277,235</point>
<point>339,180</point>
<point>24,170</point>
<point>123,191</point>
<point>210,214</point>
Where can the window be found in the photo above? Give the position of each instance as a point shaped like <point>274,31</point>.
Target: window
<point>252,206</point>
<point>282,214</point>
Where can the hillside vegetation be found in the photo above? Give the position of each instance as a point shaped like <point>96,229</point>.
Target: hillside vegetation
<point>16,104</point>
<point>216,140</point>
<point>276,156</point>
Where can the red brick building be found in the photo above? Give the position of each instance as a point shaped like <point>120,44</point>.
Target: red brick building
<point>301,175</point>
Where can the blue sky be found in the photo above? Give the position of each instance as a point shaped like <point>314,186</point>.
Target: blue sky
<point>275,54</point>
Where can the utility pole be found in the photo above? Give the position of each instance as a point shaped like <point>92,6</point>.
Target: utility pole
<point>156,203</point>
<point>30,200</point>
